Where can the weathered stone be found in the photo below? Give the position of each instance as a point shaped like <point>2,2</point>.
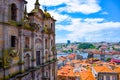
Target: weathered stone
<point>1,31</point>
<point>25,45</point>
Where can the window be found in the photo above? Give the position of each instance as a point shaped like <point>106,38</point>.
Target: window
<point>114,78</point>
<point>0,63</point>
<point>51,43</point>
<point>46,56</point>
<point>27,42</point>
<point>13,40</point>
<point>107,77</point>
<point>102,78</point>
<point>38,76</point>
<point>45,43</point>
<point>27,61</point>
<point>46,74</point>
<point>53,71</point>
<point>13,12</point>
<point>51,25</point>
<point>38,58</point>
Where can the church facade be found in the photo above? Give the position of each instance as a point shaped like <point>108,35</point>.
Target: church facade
<point>27,42</point>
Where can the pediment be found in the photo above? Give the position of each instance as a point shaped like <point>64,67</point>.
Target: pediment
<point>40,14</point>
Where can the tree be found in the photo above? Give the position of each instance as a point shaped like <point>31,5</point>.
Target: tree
<point>86,46</point>
<point>108,59</point>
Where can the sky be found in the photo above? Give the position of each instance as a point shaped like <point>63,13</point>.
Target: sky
<point>83,20</point>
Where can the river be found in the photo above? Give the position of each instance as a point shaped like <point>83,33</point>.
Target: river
<point>78,53</point>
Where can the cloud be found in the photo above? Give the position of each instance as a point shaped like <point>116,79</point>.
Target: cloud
<point>93,20</point>
<point>72,6</point>
<point>86,29</point>
<point>83,6</point>
<point>31,3</point>
<point>59,16</point>
<point>53,2</point>
<point>110,35</point>
<point>105,13</point>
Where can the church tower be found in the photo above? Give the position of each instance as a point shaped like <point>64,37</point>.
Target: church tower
<point>27,42</point>
<point>37,4</point>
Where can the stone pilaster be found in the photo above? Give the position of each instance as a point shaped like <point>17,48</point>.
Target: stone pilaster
<point>43,52</point>
<point>33,50</point>
<point>21,40</point>
<point>49,53</point>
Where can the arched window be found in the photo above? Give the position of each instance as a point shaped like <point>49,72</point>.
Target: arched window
<point>13,12</point>
<point>27,61</point>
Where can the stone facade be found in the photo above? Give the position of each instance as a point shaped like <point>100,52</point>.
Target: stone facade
<point>27,42</point>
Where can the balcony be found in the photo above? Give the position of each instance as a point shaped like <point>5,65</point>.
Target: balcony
<point>22,73</point>
<point>27,49</point>
<point>48,30</point>
<point>45,78</point>
<point>31,69</point>
<point>49,62</point>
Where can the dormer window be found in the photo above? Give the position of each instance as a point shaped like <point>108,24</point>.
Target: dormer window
<point>13,12</point>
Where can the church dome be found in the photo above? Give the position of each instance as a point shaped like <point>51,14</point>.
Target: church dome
<point>47,15</point>
<point>34,10</point>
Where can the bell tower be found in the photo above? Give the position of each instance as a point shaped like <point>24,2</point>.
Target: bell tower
<point>37,4</point>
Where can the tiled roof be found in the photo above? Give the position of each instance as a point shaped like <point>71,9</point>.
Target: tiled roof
<point>72,56</point>
<point>82,69</point>
<point>66,71</point>
<point>75,61</point>
<point>102,69</point>
<point>62,58</point>
<point>86,75</point>
<point>117,69</point>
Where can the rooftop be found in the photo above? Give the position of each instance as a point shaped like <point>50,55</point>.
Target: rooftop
<point>102,69</point>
